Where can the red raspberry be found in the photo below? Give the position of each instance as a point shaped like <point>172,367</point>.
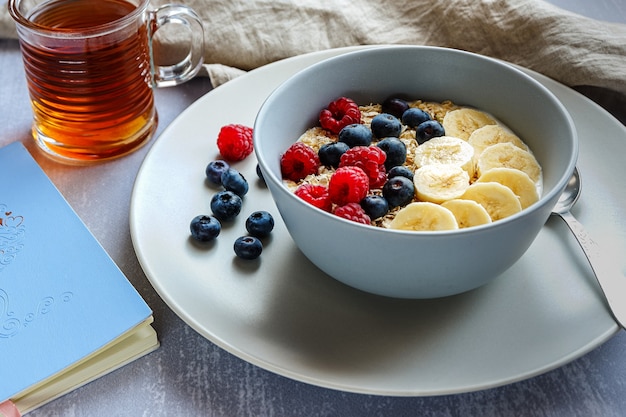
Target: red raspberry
<point>339,114</point>
<point>348,185</point>
<point>371,159</point>
<point>298,161</point>
<point>235,142</point>
<point>316,195</point>
<point>354,212</point>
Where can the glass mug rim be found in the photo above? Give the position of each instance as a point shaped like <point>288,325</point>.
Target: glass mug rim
<point>97,30</point>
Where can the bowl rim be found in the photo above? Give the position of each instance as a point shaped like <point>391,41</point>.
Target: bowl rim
<point>544,199</point>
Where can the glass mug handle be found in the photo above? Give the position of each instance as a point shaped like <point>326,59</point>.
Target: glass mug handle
<point>189,66</point>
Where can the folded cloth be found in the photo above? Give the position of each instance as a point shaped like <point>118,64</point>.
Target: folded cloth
<point>244,34</point>
<point>572,49</point>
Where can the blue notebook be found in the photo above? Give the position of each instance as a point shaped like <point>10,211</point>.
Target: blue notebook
<point>67,313</point>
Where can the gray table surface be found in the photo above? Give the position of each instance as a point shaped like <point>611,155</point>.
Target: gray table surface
<point>190,376</point>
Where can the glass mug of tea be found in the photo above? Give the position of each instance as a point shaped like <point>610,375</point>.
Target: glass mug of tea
<point>90,72</point>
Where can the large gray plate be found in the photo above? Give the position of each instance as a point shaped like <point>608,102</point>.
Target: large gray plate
<point>284,315</point>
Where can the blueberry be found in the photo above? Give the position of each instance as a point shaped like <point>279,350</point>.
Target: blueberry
<point>413,117</point>
<point>214,171</point>
<point>395,106</point>
<point>330,153</point>
<point>356,134</point>
<point>375,206</point>
<point>205,228</point>
<point>233,180</point>
<point>395,150</point>
<point>226,205</point>
<point>400,171</point>
<point>259,173</point>
<point>248,247</point>
<point>428,130</point>
<point>260,224</point>
<point>398,191</point>
<point>386,125</point>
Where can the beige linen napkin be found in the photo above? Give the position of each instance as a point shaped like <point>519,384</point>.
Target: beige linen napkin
<point>567,47</point>
<point>245,34</point>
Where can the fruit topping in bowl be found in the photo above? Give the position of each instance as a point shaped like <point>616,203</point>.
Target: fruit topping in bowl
<point>412,165</point>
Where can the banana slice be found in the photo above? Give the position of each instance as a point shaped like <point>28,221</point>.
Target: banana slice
<point>468,213</point>
<point>486,136</point>
<point>440,182</point>
<point>446,150</point>
<point>518,181</point>
<point>507,155</point>
<point>497,199</point>
<point>424,216</point>
<point>460,123</point>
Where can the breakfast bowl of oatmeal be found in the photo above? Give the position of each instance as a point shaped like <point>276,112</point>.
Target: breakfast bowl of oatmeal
<point>414,172</point>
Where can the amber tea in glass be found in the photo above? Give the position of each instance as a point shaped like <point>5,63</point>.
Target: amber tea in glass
<point>90,73</point>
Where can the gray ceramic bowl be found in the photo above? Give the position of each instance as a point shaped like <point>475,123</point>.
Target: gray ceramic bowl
<point>415,264</point>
